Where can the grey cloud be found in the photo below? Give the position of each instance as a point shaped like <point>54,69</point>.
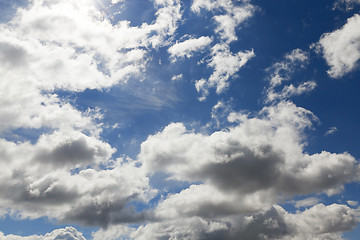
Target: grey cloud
<point>97,197</point>
<point>49,191</point>
<point>318,222</point>
<point>245,171</point>
<point>12,56</point>
<point>105,213</point>
<point>93,214</point>
<point>71,153</point>
<point>325,171</point>
<point>246,168</point>
<point>234,161</point>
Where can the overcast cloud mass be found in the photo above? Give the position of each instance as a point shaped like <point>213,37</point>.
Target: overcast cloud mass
<point>169,119</point>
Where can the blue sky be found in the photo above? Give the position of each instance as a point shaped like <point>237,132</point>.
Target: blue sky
<point>169,119</point>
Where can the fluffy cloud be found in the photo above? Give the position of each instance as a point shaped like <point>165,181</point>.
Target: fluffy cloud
<point>188,47</point>
<point>61,177</point>
<point>248,167</point>
<point>234,178</point>
<point>70,46</point>
<point>230,17</point>
<point>341,47</point>
<point>66,172</point>
<point>225,65</point>
<point>318,222</point>
<point>68,233</point>
<point>184,228</point>
<point>281,72</point>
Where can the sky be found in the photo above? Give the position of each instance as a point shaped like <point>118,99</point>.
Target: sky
<point>169,119</point>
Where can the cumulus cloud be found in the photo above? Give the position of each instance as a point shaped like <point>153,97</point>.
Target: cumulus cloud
<point>67,171</point>
<point>77,48</point>
<point>70,46</point>
<point>230,17</point>
<point>60,177</point>
<point>188,47</point>
<point>68,233</point>
<point>225,65</point>
<point>184,228</point>
<point>234,177</point>
<point>246,168</point>
<point>341,47</point>
<point>318,222</point>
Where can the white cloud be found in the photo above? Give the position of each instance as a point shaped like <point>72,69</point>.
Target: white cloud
<point>177,77</point>
<point>219,113</point>
<point>188,47</point>
<point>322,219</point>
<point>69,45</point>
<point>331,130</point>
<point>231,17</point>
<point>234,176</point>
<point>341,48</point>
<point>67,173</point>
<point>225,65</point>
<point>68,233</point>
<point>183,228</point>
<point>282,71</point>
<point>290,90</point>
<point>245,168</point>
<point>307,202</point>
<point>116,1</point>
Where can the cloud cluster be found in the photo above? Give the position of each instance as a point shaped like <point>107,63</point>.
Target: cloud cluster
<point>70,46</point>
<point>317,222</point>
<point>60,177</point>
<point>238,175</point>
<point>282,71</point>
<point>227,14</point>
<point>259,157</point>
<point>234,177</point>
<point>225,65</point>
<point>65,170</point>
